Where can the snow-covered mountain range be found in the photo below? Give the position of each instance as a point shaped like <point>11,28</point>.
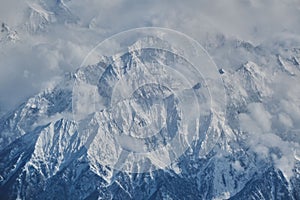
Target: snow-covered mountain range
<point>43,154</point>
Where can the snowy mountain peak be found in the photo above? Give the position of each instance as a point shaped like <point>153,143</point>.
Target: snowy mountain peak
<point>130,135</point>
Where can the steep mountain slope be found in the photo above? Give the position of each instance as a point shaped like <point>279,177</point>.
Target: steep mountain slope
<point>44,156</point>
<point>251,153</point>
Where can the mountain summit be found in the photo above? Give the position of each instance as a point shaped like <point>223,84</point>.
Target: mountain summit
<point>45,154</point>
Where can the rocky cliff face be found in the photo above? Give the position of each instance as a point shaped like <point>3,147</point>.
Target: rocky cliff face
<point>45,156</point>
<point>48,152</point>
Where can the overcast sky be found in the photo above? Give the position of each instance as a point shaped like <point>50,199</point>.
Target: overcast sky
<point>33,62</point>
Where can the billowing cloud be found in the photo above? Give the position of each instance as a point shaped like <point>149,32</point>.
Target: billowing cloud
<point>258,120</point>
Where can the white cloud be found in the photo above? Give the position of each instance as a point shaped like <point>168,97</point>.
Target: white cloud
<point>63,46</point>
<point>265,146</point>
<point>264,140</point>
<point>26,69</point>
<point>12,11</point>
<point>285,120</point>
<point>258,120</point>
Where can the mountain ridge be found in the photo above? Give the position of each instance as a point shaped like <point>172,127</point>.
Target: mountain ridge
<point>54,157</point>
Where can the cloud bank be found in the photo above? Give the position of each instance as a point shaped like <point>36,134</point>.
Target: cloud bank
<point>61,43</point>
